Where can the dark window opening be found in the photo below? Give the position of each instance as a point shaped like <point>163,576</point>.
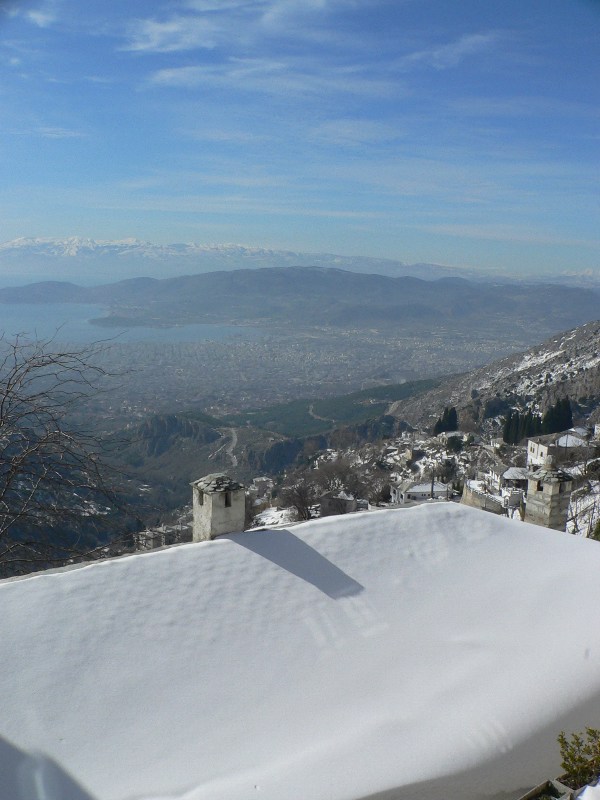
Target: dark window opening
<point>227,499</point>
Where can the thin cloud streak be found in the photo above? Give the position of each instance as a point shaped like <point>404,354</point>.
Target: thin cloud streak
<point>273,77</point>
<point>507,233</point>
<point>451,54</point>
<point>176,35</point>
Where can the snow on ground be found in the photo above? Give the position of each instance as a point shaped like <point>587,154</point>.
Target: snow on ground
<point>431,653</point>
<point>590,793</point>
<point>274,516</point>
<point>584,509</point>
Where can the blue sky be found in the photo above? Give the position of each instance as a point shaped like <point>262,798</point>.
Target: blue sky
<point>462,132</point>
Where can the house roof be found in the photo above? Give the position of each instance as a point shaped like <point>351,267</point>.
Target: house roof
<point>303,625</point>
<point>426,487</point>
<point>516,474</point>
<point>570,440</point>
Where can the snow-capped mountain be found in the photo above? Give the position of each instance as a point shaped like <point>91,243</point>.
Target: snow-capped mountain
<point>89,260</point>
<point>566,364</point>
<point>86,260</point>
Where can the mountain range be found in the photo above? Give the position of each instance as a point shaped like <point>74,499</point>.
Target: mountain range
<point>304,297</point>
<point>91,261</point>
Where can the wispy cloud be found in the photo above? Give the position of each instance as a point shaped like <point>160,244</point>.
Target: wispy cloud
<point>176,181</point>
<point>275,76</point>
<point>44,14</point>
<point>451,54</point>
<point>59,133</point>
<point>223,136</point>
<point>232,24</point>
<point>519,106</point>
<point>219,5</point>
<point>509,233</point>
<point>46,132</point>
<point>354,132</point>
<point>174,35</point>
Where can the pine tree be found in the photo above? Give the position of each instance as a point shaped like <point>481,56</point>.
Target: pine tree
<point>558,417</point>
<point>447,422</point>
<point>452,419</point>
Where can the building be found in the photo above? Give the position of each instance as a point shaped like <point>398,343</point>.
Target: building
<point>338,502</point>
<point>219,506</point>
<point>548,496</point>
<point>410,492</point>
<point>558,446</point>
<point>515,478</point>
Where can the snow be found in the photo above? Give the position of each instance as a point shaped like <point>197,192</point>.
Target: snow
<point>590,793</point>
<point>431,653</point>
<point>274,516</point>
<point>568,440</point>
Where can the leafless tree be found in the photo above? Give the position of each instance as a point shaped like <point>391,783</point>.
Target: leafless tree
<point>51,471</point>
<point>301,495</point>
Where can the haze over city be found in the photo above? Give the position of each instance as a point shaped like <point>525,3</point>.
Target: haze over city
<point>459,133</point>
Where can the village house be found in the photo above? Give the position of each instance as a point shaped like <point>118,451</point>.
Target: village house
<point>411,492</point>
<point>558,446</point>
<point>337,502</point>
<point>444,436</point>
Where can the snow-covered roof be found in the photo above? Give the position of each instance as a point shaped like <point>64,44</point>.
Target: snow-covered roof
<point>338,659</point>
<point>581,432</point>
<point>217,482</point>
<point>516,474</point>
<point>419,488</point>
<point>570,440</point>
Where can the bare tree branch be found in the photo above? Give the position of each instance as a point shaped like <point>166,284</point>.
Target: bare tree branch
<point>51,471</point>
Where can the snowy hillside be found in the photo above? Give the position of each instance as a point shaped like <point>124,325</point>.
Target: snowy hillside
<point>566,364</point>
<point>433,652</point>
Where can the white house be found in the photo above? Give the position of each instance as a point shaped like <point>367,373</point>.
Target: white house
<point>555,445</point>
<point>410,492</point>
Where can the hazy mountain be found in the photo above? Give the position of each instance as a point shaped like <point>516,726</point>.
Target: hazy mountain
<point>567,364</point>
<point>305,297</point>
<point>90,261</point>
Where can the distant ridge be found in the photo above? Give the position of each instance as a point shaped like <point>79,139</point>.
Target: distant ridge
<point>330,297</point>
<point>84,259</point>
<point>87,260</point>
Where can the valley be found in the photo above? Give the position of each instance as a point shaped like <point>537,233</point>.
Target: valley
<point>359,361</point>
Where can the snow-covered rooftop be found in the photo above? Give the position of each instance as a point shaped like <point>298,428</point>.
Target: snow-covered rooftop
<point>217,482</point>
<point>421,488</point>
<point>424,653</point>
<point>570,440</point>
<point>516,474</point>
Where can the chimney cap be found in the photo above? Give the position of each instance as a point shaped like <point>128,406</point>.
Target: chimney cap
<point>217,482</point>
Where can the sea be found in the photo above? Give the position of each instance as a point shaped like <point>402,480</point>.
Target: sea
<point>70,322</point>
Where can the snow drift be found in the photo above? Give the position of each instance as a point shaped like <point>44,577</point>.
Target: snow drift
<point>432,652</point>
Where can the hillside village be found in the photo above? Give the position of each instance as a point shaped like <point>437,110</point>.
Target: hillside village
<point>420,467</point>
<point>475,458</point>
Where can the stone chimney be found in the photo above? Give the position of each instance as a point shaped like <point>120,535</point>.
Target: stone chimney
<point>219,505</point>
<point>548,496</point>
